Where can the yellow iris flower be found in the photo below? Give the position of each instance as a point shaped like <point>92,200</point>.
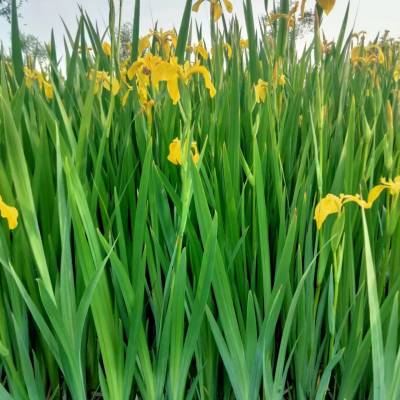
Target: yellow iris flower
<point>144,65</point>
<point>290,17</point>
<point>48,90</point>
<point>166,40</point>
<point>103,79</point>
<point>332,204</point>
<point>155,70</point>
<point>175,152</point>
<point>200,50</point>
<point>9,213</point>
<point>144,44</point>
<point>167,72</point>
<point>32,76</point>
<point>106,48</point>
<point>189,70</point>
<point>371,54</point>
<point>261,91</point>
<point>215,6</point>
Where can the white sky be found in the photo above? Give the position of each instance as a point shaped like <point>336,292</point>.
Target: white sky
<point>39,16</point>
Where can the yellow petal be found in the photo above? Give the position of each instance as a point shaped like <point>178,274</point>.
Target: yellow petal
<point>163,71</point>
<point>326,5</point>
<point>142,93</point>
<point>195,153</point>
<point>48,91</point>
<point>381,57</point>
<point>10,213</point>
<point>244,43</point>
<point>147,108</point>
<point>173,90</point>
<point>216,10</point>
<point>197,5</point>
<point>392,185</point>
<point>282,80</point>
<point>144,43</point>
<point>107,49</point>
<point>134,68</point>
<point>200,49</point>
<point>330,204</point>
<point>229,50</point>
<point>115,86</point>
<point>395,189</point>
<point>200,69</point>
<point>355,199</point>
<point>175,152</point>
<point>228,6</point>
<point>125,97</point>
<point>261,91</point>
<point>374,193</point>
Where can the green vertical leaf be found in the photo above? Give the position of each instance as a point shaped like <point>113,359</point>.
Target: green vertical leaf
<point>16,46</point>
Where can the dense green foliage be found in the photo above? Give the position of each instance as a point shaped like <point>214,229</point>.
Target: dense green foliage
<point>131,277</point>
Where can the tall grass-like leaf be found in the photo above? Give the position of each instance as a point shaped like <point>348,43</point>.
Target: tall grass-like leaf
<point>16,44</point>
<point>183,31</point>
<point>23,188</point>
<point>378,362</point>
<point>135,31</point>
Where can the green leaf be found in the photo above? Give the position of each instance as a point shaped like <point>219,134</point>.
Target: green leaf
<point>16,46</point>
<point>183,32</point>
<point>378,360</point>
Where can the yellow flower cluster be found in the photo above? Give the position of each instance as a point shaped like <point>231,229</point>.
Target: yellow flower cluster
<point>154,69</point>
<point>165,42</point>
<point>215,7</point>
<point>332,204</point>
<point>32,76</point>
<point>151,70</point>
<point>9,213</point>
<point>290,17</point>
<point>175,152</point>
<point>371,54</point>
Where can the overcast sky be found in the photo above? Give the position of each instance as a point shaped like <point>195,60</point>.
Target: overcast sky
<point>39,16</point>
